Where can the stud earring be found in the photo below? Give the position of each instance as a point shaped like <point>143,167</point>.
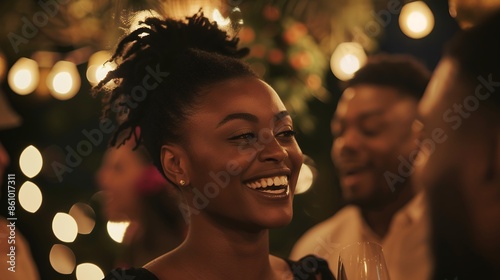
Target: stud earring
<point>182,182</point>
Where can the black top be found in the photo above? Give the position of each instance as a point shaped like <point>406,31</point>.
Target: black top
<point>306,268</point>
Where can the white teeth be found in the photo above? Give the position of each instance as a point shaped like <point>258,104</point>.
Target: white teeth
<point>277,181</point>
<point>267,182</point>
<point>276,191</point>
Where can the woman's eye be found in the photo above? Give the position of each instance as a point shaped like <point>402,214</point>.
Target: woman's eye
<point>247,137</point>
<point>287,133</point>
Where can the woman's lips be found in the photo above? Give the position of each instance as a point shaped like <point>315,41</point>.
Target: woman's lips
<point>270,185</point>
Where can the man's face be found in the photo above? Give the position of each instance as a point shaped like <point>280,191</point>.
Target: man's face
<point>461,161</point>
<point>372,129</point>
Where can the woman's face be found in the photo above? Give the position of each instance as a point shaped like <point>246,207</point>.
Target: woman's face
<point>243,159</point>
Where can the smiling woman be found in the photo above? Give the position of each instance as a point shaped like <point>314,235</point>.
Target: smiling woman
<point>219,134</point>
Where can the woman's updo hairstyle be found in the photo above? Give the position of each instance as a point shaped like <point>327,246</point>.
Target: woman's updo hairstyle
<point>161,71</point>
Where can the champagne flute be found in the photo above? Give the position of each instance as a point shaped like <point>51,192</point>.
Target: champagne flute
<point>362,261</point>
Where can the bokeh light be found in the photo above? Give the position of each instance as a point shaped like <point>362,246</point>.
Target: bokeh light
<point>416,20</point>
<point>347,58</point>
<point>23,76</point>
<point>221,21</point>
<point>30,197</point>
<point>64,227</point>
<point>30,161</point>
<point>116,230</point>
<point>307,176</point>
<point>64,80</point>
<point>88,271</point>
<point>98,67</point>
<point>84,216</point>
<point>62,259</point>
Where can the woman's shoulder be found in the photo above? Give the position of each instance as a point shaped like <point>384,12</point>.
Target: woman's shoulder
<point>130,273</point>
<point>310,267</point>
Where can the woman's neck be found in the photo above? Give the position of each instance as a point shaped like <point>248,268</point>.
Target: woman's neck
<point>214,250</point>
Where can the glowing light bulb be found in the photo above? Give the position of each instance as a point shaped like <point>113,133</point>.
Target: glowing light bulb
<point>64,227</point>
<point>306,178</point>
<point>347,58</point>
<point>62,259</point>
<point>23,76</point>
<point>84,216</point>
<point>98,67</point>
<point>30,197</point>
<point>88,271</point>
<point>221,21</point>
<point>63,80</point>
<point>416,20</point>
<point>116,230</point>
<point>30,161</point>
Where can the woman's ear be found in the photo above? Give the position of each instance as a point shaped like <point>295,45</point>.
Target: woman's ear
<point>174,163</point>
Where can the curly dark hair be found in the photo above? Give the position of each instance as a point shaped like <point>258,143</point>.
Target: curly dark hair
<point>162,71</point>
<point>399,71</point>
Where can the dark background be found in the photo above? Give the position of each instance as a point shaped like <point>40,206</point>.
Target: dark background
<point>52,126</point>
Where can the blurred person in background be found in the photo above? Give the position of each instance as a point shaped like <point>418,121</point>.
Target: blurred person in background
<point>25,268</point>
<point>375,143</point>
<point>460,112</point>
<point>136,192</point>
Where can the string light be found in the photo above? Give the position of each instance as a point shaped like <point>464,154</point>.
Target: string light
<point>30,197</point>
<point>116,230</point>
<point>88,271</point>
<point>221,21</point>
<point>64,80</point>
<point>64,227</point>
<point>306,176</point>
<point>62,259</point>
<point>416,20</point>
<point>347,58</point>
<point>23,76</point>
<point>84,216</point>
<point>98,67</point>
<point>30,161</point>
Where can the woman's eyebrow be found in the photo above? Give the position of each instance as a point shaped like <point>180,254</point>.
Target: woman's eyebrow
<point>238,116</point>
<point>281,115</point>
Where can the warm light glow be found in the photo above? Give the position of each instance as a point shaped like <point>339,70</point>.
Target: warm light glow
<point>141,16</point>
<point>349,64</point>
<point>116,230</point>
<point>306,178</point>
<point>31,161</point>
<point>416,20</point>
<point>89,271</point>
<point>221,21</point>
<point>64,227</point>
<point>64,80</point>
<point>62,83</point>
<point>347,58</point>
<point>23,76</point>
<point>30,197</point>
<point>84,216</point>
<point>62,259</point>
<point>98,67</point>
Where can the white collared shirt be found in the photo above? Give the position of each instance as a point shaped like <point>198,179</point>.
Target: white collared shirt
<point>406,245</point>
